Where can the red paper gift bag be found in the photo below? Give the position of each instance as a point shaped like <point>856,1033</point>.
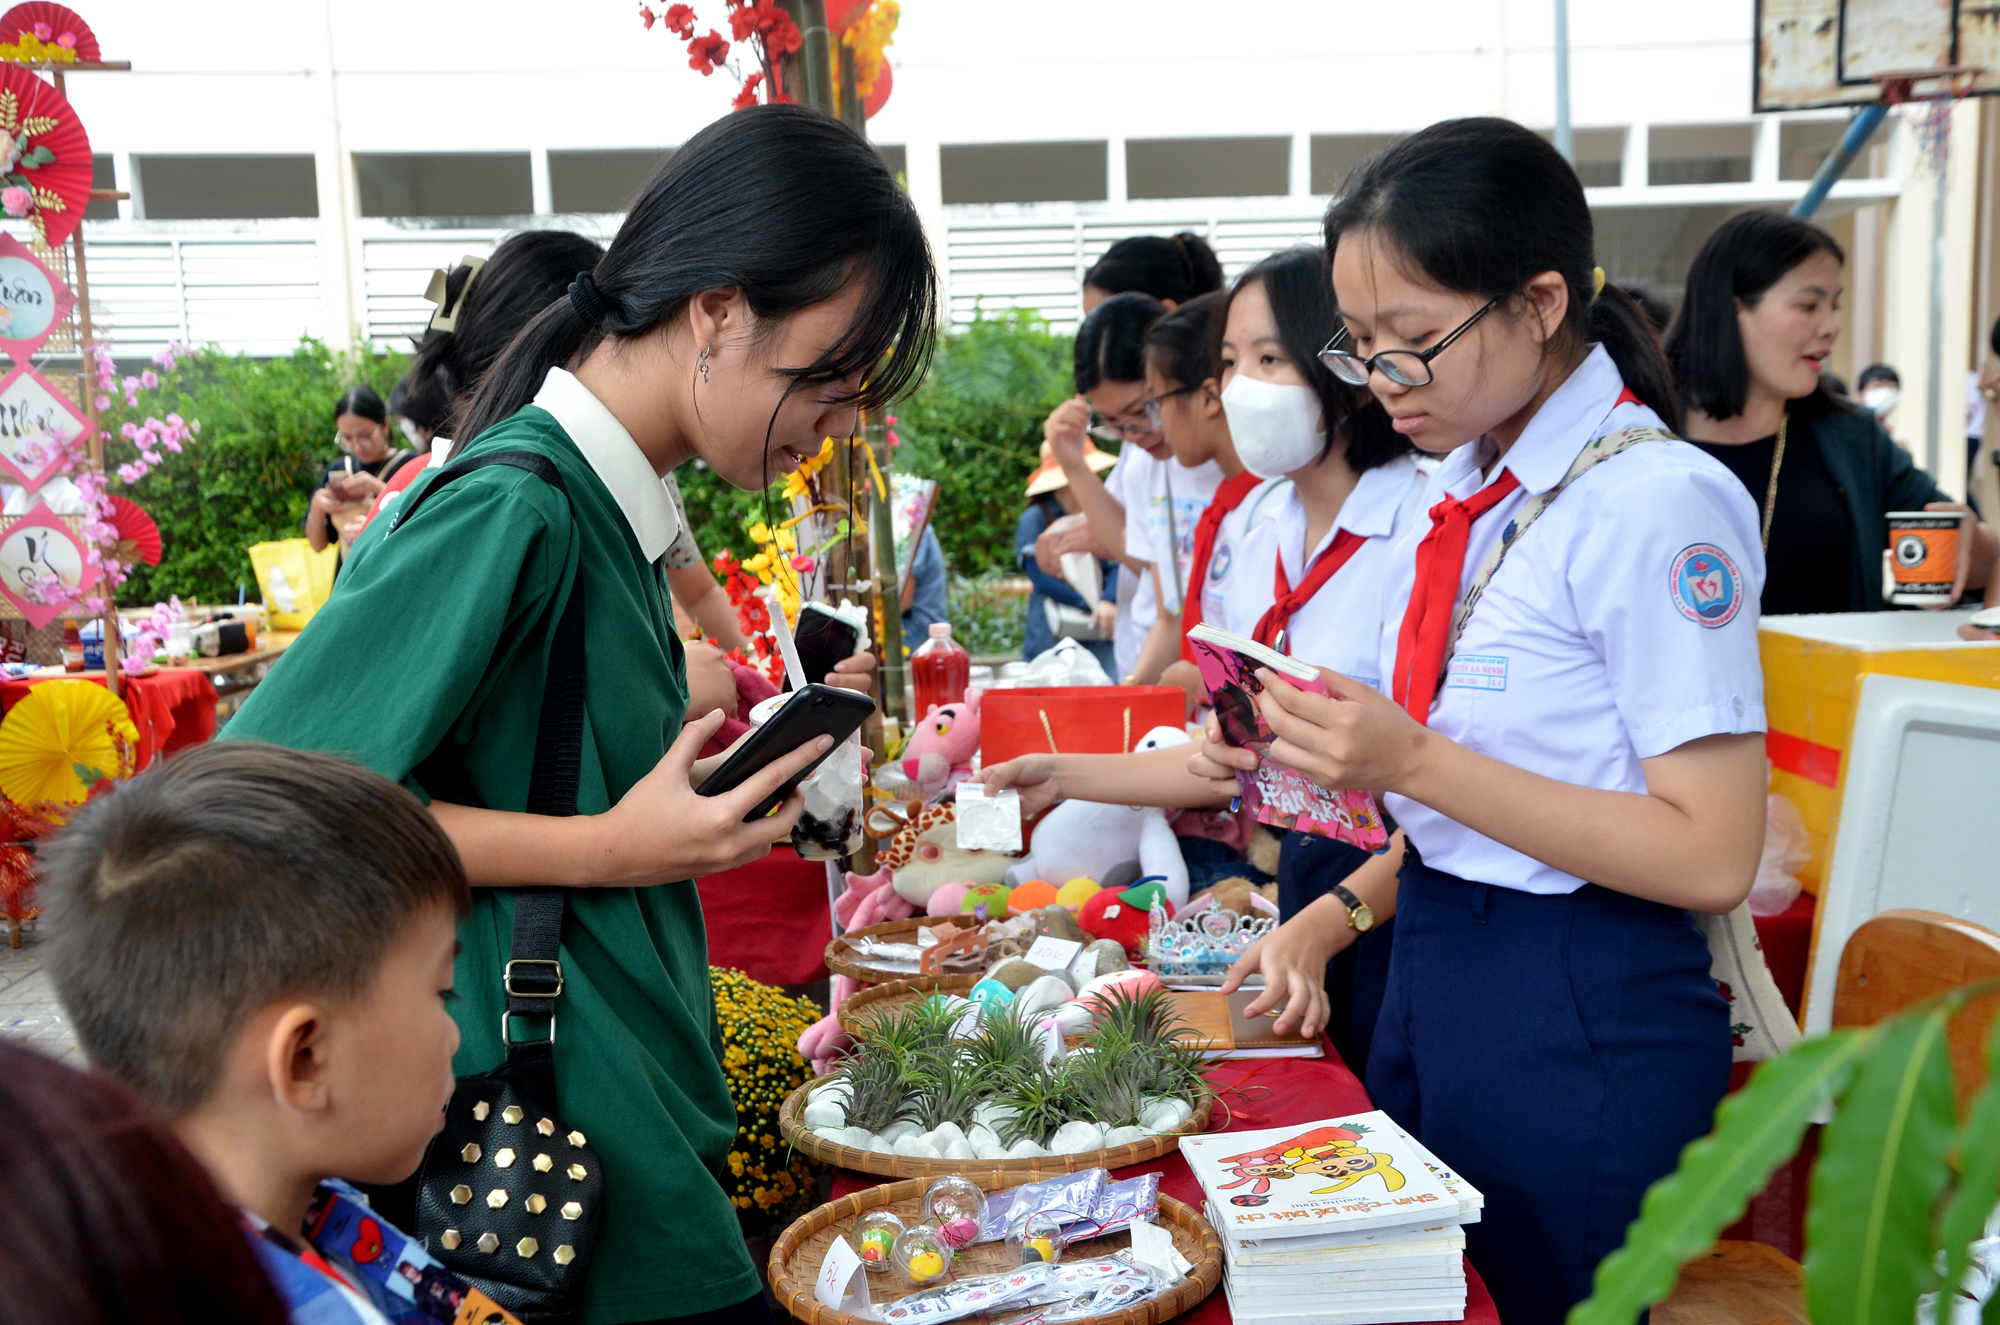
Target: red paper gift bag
<point>1073,719</point>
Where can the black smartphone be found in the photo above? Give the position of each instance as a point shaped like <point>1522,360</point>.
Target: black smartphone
<point>823,638</point>
<point>818,710</point>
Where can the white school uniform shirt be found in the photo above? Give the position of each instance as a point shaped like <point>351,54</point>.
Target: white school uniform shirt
<point>1227,573</point>
<point>1156,528</point>
<point>1622,625</point>
<point>1340,626</point>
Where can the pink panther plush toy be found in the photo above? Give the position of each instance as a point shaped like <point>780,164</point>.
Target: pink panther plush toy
<point>939,754</point>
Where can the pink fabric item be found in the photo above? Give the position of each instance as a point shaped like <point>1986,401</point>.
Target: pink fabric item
<point>752,689</point>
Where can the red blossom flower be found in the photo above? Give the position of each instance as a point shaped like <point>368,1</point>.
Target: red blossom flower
<point>680,21</point>
<point>781,34</point>
<point>748,96</point>
<point>704,53</point>
<point>743,22</point>
<point>646,17</point>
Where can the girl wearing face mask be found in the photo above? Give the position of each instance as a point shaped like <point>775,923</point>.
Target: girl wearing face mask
<point>1569,729</point>
<point>733,319</point>
<point>1756,326</point>
<point>1304,572</point>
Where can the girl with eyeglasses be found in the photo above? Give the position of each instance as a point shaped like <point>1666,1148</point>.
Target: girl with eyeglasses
<point>1569,729</point>
<point>1300,564</point>
<point>1144,511</point>
<point>733,319</point>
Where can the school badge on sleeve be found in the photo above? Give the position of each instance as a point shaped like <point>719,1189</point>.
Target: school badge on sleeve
<point>1706,585</point>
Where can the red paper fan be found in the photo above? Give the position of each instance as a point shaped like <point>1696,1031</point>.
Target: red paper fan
<point>136,527</point>
<point>50,24</point>
<point>44,155</point>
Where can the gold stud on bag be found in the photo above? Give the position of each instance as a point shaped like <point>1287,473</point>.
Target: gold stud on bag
<point>486,1120</point>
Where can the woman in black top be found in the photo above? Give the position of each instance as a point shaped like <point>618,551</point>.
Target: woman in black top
<point>349,485</point>
<point>1755,328</point>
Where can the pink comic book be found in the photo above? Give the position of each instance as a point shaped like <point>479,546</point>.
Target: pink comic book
<point>1275,794</point>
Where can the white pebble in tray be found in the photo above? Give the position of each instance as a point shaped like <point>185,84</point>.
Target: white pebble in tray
<point>1163,1113</point>
<point>896,1131</point>
<point>1025,1148</point>
<point>1075,1138</point>
<point>826,1112</point>
<point>916,1147</point>
<point>1126,1136</point>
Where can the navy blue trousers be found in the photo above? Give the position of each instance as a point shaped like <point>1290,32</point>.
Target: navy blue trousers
<point>1558,1052</point>
<point>1308,868</point>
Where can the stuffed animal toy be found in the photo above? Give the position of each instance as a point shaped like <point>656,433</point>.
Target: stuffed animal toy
<point>923,856</point>
<point>1088,839</point>
<point>938,755</point>
<point>824,1041</point>
<point>1122,915</point>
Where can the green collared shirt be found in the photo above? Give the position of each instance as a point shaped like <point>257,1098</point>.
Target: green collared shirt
<point>438,639</point>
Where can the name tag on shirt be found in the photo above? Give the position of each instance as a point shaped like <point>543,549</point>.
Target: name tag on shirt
<point>1477,671</point>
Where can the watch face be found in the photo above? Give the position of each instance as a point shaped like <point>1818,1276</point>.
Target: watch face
<point>1364,919</point>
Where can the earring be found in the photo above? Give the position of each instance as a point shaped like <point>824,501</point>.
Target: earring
<point>703,363</point>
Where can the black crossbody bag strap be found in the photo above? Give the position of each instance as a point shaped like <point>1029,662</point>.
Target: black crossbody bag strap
<point>533,975</point>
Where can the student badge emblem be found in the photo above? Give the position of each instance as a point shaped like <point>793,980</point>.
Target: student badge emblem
<point>1706,585</point>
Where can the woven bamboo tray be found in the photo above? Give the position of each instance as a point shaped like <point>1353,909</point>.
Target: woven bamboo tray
<point>856,1011</point>
<point>842,959</point>
<point>796,1257</point>
<point>989,1172</point>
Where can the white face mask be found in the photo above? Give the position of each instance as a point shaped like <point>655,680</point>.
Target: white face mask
<point>1276,429</point>
<point>1881,399</point>
<point>410,433</point>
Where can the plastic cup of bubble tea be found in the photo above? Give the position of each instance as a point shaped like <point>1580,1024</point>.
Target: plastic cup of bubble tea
<point>954,1206</point>
<point>1035,1236</point>
<point>875,1235</point>
<point>1923,556</point>
<point>922,1254</point>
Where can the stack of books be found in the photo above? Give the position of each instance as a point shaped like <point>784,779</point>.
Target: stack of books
<point>1349,1221</point>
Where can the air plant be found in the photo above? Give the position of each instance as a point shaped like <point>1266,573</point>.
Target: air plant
<point>1042,1102</point>
<point>1005,1047</point>
<point>1145,1029</point>
<point>947,1087</point>
<point>879,1089</point>
<point>1114,1087</point>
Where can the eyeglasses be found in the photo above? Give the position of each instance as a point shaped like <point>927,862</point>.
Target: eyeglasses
<point>1403,367</point>
<point>1131,430</point>
<point>1152,407</point>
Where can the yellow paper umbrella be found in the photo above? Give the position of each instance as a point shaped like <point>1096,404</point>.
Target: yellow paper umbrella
<point>63,739</point>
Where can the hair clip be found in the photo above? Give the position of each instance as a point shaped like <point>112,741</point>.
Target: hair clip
<point>438,292</point>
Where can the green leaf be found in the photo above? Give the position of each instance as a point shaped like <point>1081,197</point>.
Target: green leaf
<point>41,156</point>
<point>1756,1129</point>
<point>1881,1169</point>
<point>1978,1171</point>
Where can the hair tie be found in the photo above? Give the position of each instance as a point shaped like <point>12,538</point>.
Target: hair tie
<point>1597,278</point>
<point>587,299</point>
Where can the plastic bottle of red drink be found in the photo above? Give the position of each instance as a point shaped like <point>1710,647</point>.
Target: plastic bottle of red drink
<point>939,670</point>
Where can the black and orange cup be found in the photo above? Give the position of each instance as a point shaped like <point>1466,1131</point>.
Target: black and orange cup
<point>1923,556</point>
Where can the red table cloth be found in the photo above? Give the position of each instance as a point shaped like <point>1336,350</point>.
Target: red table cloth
<point>172,708</point>
<point>1253,1094</point>
<point>769,919</point>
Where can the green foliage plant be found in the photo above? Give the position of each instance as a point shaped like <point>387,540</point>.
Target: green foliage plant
<point>1875,1237</point>
<point>267,430</point>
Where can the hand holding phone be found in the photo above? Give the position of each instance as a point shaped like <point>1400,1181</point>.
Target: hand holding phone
<point>818,710</point>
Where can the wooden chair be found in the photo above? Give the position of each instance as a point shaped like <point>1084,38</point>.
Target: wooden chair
<point>1893,960</point>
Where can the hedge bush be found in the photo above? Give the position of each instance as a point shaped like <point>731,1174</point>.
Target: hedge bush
<point>974,424</point>
<point>266,431</point>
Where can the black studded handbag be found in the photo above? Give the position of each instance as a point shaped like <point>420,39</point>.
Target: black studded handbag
<point>509,1197</point>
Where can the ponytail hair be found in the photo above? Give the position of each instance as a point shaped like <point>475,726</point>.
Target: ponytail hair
<point>1480,207</point>
<point>1181,343</point>
<point>1737,265</point>
<point>1306,317</point>
<point>524,275</point>
<point>781,202</point>
<point>1176,267</point>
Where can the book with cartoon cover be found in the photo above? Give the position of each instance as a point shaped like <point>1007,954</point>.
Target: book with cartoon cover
<point>1276,795</point>
<point>1354,1172</point>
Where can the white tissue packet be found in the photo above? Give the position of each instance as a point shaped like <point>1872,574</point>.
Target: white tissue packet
<point>988,820</point>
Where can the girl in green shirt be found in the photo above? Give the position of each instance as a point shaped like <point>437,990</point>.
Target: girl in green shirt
<point>769,281</point>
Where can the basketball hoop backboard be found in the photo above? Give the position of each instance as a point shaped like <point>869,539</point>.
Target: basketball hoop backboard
<point>1815,53</point>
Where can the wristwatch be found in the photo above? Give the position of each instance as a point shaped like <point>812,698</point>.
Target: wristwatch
<point>1358,914</point>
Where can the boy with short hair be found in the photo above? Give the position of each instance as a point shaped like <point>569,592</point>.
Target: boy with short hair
<point>260,942</point>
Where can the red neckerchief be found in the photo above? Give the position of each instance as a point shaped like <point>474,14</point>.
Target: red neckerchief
<point>1227,498</point>
<point>1289,600</point>
<point>1420,644</point>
